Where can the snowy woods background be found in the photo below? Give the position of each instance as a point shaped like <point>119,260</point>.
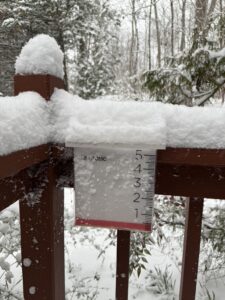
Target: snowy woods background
<point>165,50</point>
<point>120,46</point>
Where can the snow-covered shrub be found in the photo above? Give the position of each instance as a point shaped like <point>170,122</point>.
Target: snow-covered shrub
<point>161,282</point>
<point>10,257</point>
<point>190,78</point>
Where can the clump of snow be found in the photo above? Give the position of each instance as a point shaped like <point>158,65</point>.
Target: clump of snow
<point>217,54</point>
<point>27,262</point>
<point>41,55</point>
<point>24,122</point>
<point>8,22</point>
<point>107,122</point>
<point>32,290</point>
<point>212,54</point>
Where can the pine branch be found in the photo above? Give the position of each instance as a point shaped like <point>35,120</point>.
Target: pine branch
<point>205,99</point>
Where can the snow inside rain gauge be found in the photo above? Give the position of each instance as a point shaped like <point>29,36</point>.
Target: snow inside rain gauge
<point>114,188</point>
<point>115,146</point>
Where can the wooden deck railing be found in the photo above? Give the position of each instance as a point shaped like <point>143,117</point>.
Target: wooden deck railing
<point>194,173</point>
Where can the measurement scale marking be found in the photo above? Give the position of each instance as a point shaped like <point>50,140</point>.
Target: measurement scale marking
<point>143,198</point>
<point>144,186</point>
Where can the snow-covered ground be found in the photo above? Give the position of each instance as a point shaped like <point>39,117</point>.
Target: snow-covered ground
<point>89,276</point>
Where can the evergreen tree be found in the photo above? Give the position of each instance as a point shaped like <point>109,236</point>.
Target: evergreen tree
<point>96,62</point>
<point>191,78</point>
<point>195,75</point>
<point>81,27</point>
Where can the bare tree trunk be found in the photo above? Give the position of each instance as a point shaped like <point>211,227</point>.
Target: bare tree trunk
<point>200,23</point>
<point>183,25</point>
<point>146,40</point>
<point>137,45</point>
<point>221,34</point>
<point>209,16</point>
<point>132,41</point>
<point>172,27</point>
<point>165,43</point>
<point>149,36</point>
<point>200,14</point>
<point>202,18</point>
<point>211,8</point>
<point>157,34</point>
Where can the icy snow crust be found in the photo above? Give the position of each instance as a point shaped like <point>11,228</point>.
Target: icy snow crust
<point>27,120</point>
<point>23,122</point>
<point>41,55</point>
<point>109,122</point>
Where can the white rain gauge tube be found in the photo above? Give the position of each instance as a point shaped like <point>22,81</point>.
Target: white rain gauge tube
<point>114,188</point>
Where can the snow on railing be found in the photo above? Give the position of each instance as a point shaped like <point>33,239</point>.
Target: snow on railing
<point>131,122</point>
<point>23,122</point>
<point>27,121</point>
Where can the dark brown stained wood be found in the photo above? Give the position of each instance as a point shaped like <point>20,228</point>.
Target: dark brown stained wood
<point>122,264</point>
<point>13,163</point>
<point>42,215</point>
<point>190,181</point>
<point>42,236</point>
<point>60,151</point>
<point>14,188</point>
<point>192,157</point>
<point>191,248</point>
<point>65,168</point>
<point>42,84</point>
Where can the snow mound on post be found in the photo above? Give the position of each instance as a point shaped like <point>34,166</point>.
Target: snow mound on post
<point>41,55</point>
<point>24,122</point>
<point>107,122</point>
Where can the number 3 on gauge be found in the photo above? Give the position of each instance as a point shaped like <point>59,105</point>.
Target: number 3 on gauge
<point>137,183</point>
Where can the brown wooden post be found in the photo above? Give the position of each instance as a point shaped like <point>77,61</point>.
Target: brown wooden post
<point>191,250</point>
<point>41,216</point>
<point>122,266</point>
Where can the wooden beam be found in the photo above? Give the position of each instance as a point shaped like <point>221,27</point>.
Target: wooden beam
<point>42,215</point>
<point>42,84</point>
<point>42,237</point>
<point>191,248</point>
<point>192,157</point>
<point>122,264</point>
<point>190,181</point>
<point>14,188</point>
<point>15,162</point>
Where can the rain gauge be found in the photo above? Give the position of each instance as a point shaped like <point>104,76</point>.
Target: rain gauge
<point>114,187</point>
